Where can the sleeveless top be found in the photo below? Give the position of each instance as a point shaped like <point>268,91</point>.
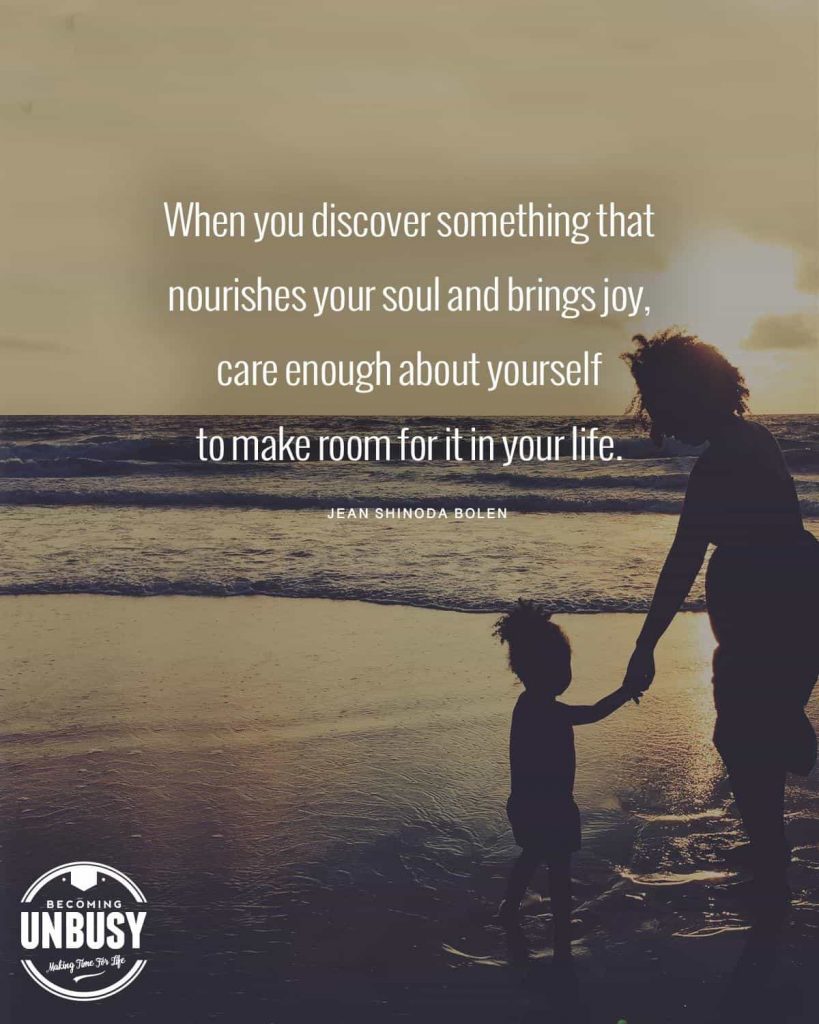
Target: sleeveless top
<point>741,494</point>
<point>541,748</point>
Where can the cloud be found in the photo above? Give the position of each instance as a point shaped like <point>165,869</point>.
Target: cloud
<point>12,344</point>
<point>792,331</point>
<point>250,105</point>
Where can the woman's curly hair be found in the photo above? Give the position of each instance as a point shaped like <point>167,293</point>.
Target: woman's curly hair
<point>531,635</point>
<point>696,374</point>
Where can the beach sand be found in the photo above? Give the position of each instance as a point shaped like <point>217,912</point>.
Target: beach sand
<point>311,794</point>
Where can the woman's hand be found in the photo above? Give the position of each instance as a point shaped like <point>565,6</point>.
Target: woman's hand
<point>640,672</point>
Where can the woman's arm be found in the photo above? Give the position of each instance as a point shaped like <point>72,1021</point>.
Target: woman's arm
<point>682,564</point>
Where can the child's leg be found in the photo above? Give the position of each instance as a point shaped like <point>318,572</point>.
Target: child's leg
<point>560,891</point>
<point>519,877</point>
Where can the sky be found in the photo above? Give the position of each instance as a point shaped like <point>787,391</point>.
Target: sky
<point>706,109</point>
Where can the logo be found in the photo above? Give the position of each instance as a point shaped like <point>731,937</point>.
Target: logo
<point>81,931</point>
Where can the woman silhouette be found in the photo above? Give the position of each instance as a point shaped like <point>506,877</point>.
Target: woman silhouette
<point>762,585</point>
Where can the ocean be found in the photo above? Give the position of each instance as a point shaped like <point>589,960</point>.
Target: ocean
<point>312,792</point>
<point>122,505</point>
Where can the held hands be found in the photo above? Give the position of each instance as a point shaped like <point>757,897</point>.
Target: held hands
<point>640,672</point>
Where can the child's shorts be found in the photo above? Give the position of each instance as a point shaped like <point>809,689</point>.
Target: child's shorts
<point>546,825</point>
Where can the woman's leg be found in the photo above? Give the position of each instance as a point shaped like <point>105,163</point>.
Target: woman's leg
<point>758,784</point>
<point>560,891</point>
<point>752,735</point>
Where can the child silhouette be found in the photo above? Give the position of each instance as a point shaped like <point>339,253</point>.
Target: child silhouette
<point>544,817</point>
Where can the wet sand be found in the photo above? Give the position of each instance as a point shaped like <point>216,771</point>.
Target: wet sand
<point>311,795</point>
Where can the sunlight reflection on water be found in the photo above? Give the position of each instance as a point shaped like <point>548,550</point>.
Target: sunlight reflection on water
<point>330,774</point>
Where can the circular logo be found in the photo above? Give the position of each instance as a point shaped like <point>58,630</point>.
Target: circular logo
<point>81,928</point>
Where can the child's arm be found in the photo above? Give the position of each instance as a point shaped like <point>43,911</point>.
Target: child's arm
<point>584,714</point>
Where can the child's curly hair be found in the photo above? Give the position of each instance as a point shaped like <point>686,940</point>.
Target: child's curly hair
<point>689,371</point>
<point>533,639</point>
